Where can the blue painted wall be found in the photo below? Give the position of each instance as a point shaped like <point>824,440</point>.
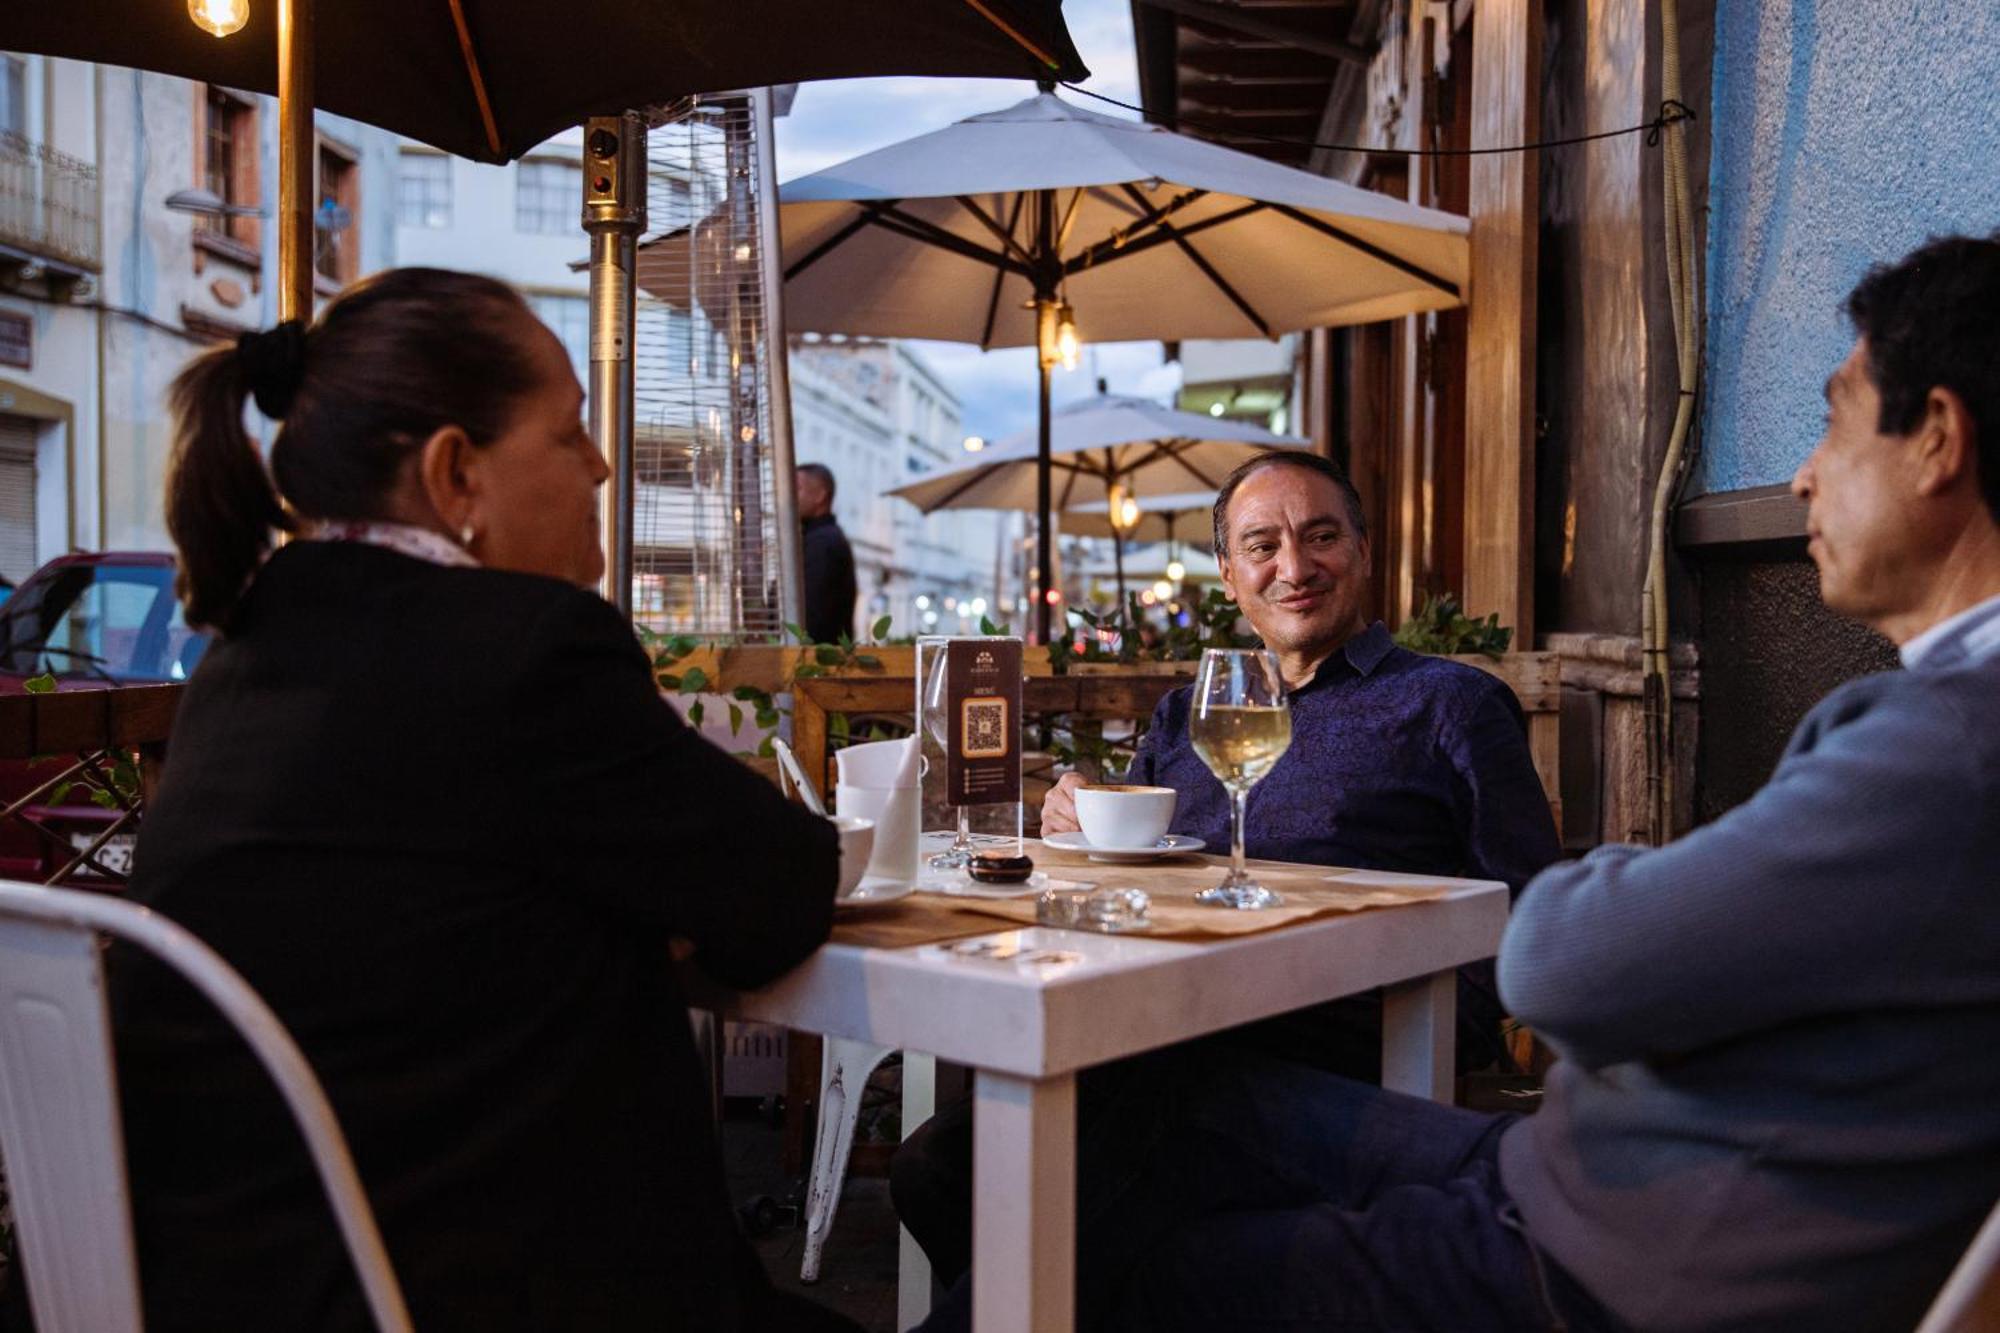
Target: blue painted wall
<point>1844,132</point>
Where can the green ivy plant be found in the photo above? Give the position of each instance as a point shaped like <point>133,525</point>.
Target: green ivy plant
<point>760,705</point>
<point>1214,622</point>
<point>115,786</point>
<point>1441,628</point>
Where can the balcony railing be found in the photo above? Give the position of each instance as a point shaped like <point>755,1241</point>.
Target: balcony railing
<point>48,205</point>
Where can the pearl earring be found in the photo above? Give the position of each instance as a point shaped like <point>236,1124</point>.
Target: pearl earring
<point>466,534</point>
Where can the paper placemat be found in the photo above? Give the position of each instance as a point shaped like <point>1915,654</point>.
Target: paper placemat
<point>1172,882</point>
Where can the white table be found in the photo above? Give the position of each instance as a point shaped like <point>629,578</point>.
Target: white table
<point>1026,1027</point>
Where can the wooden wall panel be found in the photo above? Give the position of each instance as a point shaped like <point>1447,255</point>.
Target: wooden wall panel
<point>1504,198</point>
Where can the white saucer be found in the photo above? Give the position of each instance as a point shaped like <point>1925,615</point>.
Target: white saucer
<point>1174,844</point>
<point>874,891</point>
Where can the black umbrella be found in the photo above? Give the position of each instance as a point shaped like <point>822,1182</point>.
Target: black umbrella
<point>490,79</point>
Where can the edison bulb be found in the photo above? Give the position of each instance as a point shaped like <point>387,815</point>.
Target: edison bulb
<point>1066,341</point>
<point>1176,571</point>
<point>1162,591</point>
<point>220,17</point>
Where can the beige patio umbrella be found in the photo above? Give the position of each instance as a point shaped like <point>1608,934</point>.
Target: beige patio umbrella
<point>1044,223</point>
<point>1110,454</point>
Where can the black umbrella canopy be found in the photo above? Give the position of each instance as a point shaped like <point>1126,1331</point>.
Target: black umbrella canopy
<point>546,65</point>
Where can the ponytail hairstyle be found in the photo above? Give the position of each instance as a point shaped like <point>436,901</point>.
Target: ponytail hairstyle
<point>394,359</point>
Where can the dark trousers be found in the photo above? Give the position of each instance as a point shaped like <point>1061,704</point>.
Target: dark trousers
<point>930,1177</point>
<point>1221,1190</point>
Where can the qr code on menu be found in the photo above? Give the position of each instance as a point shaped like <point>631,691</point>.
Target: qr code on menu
<point>985,729</point>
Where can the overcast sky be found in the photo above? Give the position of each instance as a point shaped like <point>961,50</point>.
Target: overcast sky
<point>831,122</point>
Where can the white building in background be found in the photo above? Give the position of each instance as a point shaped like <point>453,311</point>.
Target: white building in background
<point>878,416</point>
<point>105,292</point>
<point>521,223</point>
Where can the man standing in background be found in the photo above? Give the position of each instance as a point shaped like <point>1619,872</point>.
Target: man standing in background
<point>829,590</point>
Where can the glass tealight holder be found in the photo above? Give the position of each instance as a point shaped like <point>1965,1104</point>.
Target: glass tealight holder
<point>1110,911</point>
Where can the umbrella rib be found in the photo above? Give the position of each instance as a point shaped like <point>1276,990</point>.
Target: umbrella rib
<point>820,251</point>
<point>1372,251</point>
<point>1150,215</point>
<point>999,275</point>
<point>1196,258</point>
<point>478,79</point>
<point>1015,34</point>
<point>919,229</point>
<point>1207,483</point>
<point>1104,251</point>
<point>987,221</point>
<point>981,475</point>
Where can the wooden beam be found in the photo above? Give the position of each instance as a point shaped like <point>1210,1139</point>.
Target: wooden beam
<point>1505,196</point>
<point>1271,30</point>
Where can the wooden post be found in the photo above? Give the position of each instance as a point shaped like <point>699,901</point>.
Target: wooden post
<point>1505,203</point>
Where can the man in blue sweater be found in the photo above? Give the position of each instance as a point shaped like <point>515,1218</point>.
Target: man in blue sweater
<point>1778,1106</point>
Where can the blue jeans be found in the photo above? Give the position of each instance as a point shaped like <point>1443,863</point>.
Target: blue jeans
<point>1222,1190</point>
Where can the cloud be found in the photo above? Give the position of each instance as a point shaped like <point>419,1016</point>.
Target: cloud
<point>836,119</point>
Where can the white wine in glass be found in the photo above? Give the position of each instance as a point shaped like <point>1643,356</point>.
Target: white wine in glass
<point>1240,726</point>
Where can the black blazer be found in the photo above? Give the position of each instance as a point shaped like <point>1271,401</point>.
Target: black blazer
<point>443,822</point>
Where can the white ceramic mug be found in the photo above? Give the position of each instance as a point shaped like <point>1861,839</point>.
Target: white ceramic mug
<point>857,842</point>
<point>1124,817</point>
<point>896,812</point>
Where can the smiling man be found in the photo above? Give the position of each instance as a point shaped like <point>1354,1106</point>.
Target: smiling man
<point>1398,761</point>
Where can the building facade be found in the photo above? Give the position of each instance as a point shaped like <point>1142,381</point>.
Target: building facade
<point>878,416</point>
<point>107,288</point>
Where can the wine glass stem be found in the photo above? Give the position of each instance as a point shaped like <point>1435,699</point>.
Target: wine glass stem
<point>964,828</point>
<point>1239,800</point>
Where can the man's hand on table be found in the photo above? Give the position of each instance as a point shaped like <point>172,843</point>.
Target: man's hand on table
<point>1059,806</point>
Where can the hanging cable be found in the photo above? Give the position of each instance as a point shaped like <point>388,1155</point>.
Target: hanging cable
<point>1683,293</point>
<point>1672,112</point>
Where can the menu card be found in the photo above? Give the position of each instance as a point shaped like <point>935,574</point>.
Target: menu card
<point>983,698</point>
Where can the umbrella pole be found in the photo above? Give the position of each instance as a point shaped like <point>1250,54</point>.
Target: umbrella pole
<point>1044,563</point>
<point>1118,561</point>
<point>296,160</point>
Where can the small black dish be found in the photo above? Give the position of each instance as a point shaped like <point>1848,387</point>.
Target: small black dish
<point>990,868</point>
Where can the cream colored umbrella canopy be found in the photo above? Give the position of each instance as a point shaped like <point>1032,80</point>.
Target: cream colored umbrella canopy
<point>1148,449</point>
<point>1156,235</point>
<point>990,230</point>
<point>1186,519</point>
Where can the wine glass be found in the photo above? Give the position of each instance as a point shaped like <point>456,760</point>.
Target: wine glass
<point>1240,727</point>
<point>937,721</point>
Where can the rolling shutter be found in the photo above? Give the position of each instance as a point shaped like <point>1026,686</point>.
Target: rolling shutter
<point>17,498</point>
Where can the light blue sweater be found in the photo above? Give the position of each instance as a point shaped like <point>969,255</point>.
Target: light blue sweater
<point>1778,1106</point>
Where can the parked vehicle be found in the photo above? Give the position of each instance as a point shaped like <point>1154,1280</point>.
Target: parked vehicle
<point>97,621</point>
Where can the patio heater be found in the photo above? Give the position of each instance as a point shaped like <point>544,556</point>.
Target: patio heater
<point>714,532</point>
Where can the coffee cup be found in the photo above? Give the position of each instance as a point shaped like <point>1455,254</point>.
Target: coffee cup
<point>1124,817</point>
<point>857,840</point>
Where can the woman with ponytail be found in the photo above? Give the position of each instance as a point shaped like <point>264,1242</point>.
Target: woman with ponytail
<point>424,795</point>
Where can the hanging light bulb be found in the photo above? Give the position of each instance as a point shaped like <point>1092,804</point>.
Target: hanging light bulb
<point>1162,591</point>
<point>219,17</point>
<point>1067,343</point>
<point>1176,571</point>
<point>1123,509</point>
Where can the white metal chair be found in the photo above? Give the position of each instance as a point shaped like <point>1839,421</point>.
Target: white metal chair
<point>1970,1299</point>
<point>60,1136</point>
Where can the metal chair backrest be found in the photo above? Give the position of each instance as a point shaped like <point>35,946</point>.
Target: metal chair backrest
<point>60,1138</point>
<point>1970,1299</point>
